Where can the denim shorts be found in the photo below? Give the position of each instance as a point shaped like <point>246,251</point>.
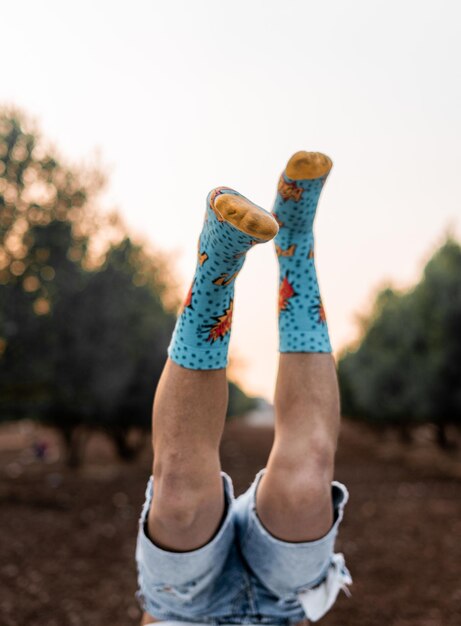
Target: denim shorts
<point>243,574</point>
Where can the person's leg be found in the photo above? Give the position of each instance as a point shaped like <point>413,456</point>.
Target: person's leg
<point>191,398</point>
<point>294,495</point>
<point>288,519</point>
<point>290,515</point>
<point>188,418</point>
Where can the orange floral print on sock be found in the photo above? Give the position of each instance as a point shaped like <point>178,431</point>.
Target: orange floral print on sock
<point>202,257</point>
<point>222,326</point>
<point>287,252</point>
<point>286,292</point>
<point>277,219</point>
<point>224,279</point>
<point>322,315</point>
<point>289,191</point>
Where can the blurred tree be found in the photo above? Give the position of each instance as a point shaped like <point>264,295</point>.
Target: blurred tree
<point>36,189</point>
<point>123,332</point>
<point>80,343</point>
<point>239,402</point>
<point>439,305</point>
<point>45,224</point>
<point>82,340</point>
<point>406,368</point>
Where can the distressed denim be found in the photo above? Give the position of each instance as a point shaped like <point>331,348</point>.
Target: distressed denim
<point>243,574</point>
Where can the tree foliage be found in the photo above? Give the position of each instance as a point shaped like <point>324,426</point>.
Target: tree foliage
<point>406,369</point>
<point>82,340</point>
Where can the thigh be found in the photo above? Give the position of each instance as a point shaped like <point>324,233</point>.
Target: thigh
<point>194,584</point>
<point>285,568</point>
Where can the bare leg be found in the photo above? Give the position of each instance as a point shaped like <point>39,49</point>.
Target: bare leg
<point>188,419</point>
<point>190,403</point>
<point>294,495</point>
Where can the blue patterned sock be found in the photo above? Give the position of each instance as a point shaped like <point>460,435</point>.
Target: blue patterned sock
<point>302,321</point>
<point>231,227</point>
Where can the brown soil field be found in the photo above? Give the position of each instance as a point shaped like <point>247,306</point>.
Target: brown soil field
<point>67,537</point>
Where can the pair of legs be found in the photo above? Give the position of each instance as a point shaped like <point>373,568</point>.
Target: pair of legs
<point>294,497</point>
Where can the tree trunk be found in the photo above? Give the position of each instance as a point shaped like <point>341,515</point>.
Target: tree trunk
<point>442,437</point>
<point>72,447</point>
<point>405,433</point>
<point>125,450</point>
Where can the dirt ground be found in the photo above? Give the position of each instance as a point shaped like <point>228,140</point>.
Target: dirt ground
<point>67,538</point>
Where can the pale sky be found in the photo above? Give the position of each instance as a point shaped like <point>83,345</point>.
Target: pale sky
<point>180,96</point>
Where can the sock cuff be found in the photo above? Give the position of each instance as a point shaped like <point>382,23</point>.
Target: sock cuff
<point>305,341</point>
<point>213,358</point>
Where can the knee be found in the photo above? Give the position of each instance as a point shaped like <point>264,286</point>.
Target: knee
<point>319,459</point>
<point>310,487</point>
<point>305,478</point>
<point>181,495</point>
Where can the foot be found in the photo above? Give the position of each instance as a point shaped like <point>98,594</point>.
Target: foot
<point>308,165</point>
<point>232,226</point>
<point>302,319</point>
<point>246,216</point>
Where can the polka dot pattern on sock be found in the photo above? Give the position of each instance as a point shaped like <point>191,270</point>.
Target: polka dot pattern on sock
<point>302,320</point>
<point>201,336</point>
